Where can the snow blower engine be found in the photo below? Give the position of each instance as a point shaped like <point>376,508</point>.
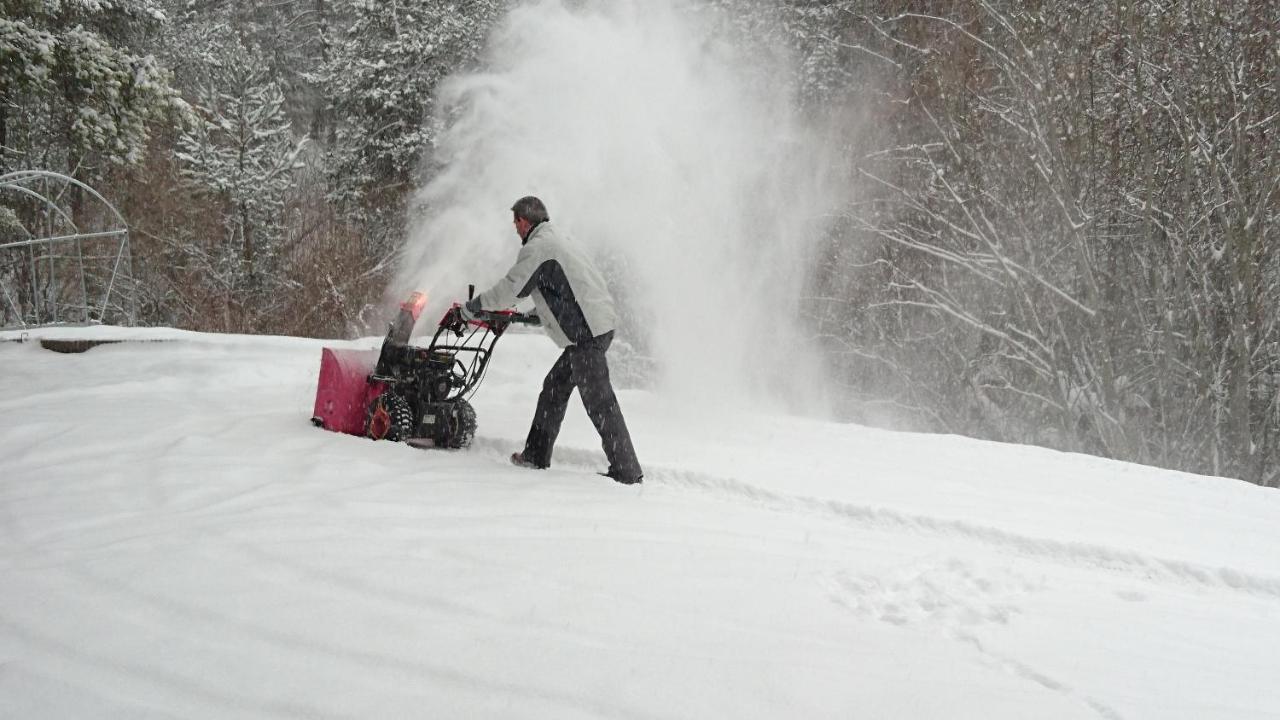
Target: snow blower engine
<point>403,392</point>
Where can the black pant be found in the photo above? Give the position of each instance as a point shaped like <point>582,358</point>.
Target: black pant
<point>583,366</point>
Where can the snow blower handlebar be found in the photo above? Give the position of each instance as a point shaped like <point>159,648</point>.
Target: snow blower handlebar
<point>495,320</point>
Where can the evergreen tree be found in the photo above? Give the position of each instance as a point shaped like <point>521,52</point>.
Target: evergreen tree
<point>76,92</point>
<point>381,81</point>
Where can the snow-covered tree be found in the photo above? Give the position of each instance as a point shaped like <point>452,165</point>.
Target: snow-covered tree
<point>239,149</point>
<point>291,39</point>
<point>77,92</point>
<point>1069,233</point>
<point>381,81</point>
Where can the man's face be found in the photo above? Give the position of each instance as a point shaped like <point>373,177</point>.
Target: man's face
<point>522,227</point>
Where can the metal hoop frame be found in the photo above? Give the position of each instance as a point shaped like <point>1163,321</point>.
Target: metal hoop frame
<point>51,298</point>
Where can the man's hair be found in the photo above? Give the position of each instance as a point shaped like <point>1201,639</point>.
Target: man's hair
<point>530,208</point>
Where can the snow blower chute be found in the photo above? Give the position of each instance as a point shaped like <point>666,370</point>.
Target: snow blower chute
<point>410,393</point>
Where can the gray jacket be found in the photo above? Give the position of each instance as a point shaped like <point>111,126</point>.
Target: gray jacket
<point>569,293</point>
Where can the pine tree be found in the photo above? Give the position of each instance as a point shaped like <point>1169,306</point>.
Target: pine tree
<point>382,79</point>
<point>76,93</point>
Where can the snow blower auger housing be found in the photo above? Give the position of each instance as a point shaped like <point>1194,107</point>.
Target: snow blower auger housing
<point>409,393</point>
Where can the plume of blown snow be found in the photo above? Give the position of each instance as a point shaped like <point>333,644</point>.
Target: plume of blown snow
<point>671,148</point>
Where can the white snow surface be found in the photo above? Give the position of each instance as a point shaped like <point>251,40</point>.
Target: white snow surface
<point>180,542</point>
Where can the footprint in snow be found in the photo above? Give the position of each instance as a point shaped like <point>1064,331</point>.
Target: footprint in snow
<point>952,593</point>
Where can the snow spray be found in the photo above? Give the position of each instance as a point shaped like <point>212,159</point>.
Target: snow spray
<point>669,148</point>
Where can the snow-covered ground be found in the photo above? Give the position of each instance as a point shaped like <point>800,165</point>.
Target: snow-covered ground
<point>180,542</point>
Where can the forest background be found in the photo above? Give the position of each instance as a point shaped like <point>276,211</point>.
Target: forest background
<point>1058,225</point>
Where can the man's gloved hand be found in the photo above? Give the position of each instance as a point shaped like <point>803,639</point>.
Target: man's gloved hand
<point>470,309</point>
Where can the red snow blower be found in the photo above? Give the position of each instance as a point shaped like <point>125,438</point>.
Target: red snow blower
<point>407,393</point>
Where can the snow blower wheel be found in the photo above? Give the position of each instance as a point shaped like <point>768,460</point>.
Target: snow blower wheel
<point>390,418</point>
<point>461,424</point>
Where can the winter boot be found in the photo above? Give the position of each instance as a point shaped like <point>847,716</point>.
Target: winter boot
<point>625,480</point>
<point>518,460</point>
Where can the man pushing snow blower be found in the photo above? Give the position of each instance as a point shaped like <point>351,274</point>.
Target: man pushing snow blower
<point>573,301</point>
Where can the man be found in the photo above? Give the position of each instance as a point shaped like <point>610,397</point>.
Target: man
<point>572,300</point>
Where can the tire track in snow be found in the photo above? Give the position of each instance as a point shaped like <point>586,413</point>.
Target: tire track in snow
<point>955,600</point>
<point>1092,556</point>
<point>1057,551</point>
<point>1023,670</point>
<point>1084,554</point>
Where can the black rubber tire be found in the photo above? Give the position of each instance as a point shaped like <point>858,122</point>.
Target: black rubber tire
<point>399,413</point>
<point>462,424</point>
